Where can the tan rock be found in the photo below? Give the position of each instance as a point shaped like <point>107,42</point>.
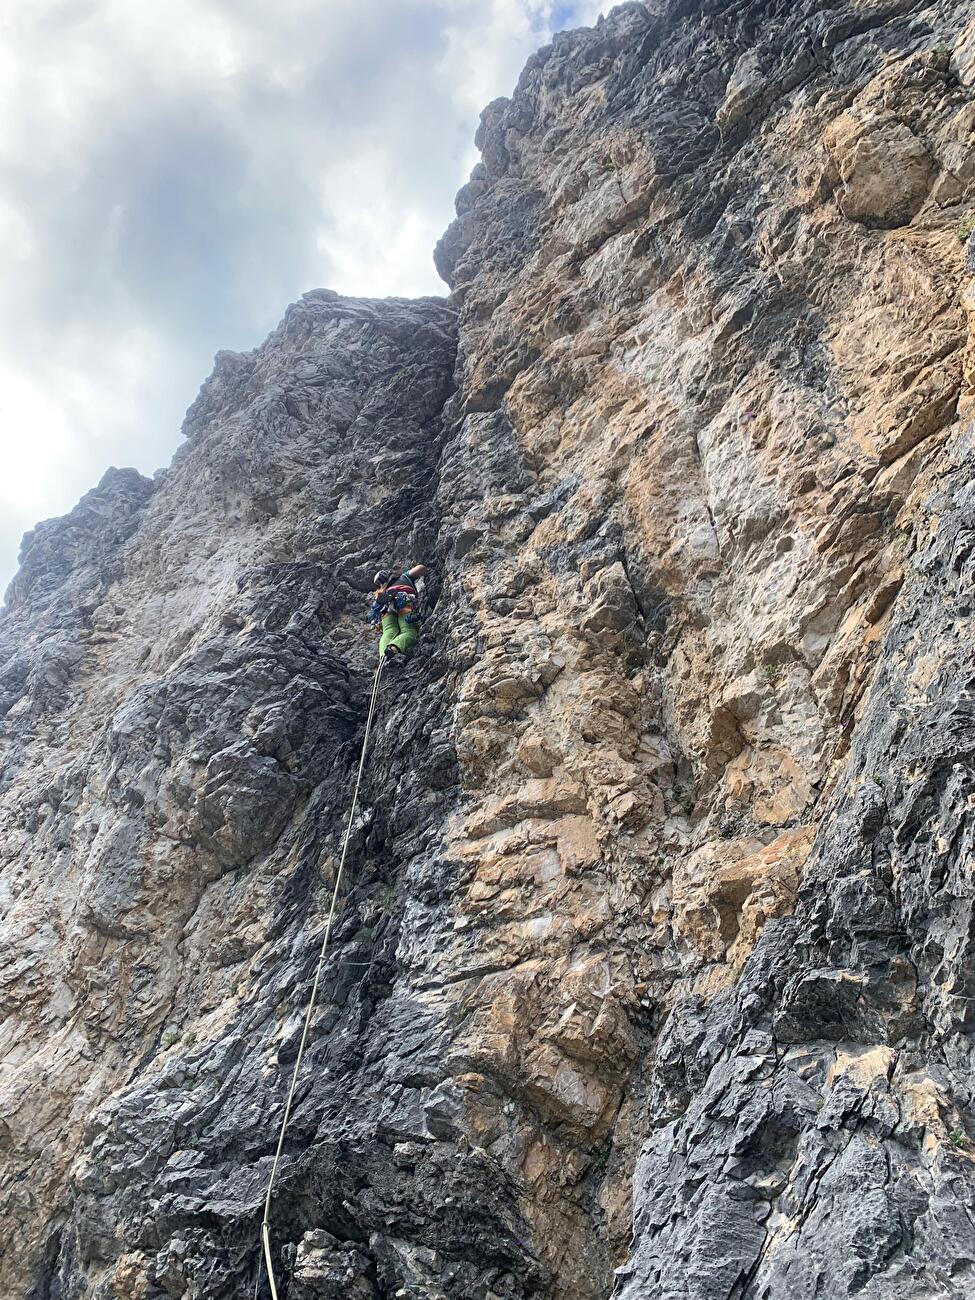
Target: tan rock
<point>772,782</point>
<point>535,755</point>
<point>724,893</point>
<point>885,171</point>
<point>578,843</point>
<point>130,1280</point>
<point>542,798</point>
<point>862,1067</point>
<point>963,55</point>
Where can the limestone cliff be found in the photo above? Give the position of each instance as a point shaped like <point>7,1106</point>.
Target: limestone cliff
<point>654,977</point>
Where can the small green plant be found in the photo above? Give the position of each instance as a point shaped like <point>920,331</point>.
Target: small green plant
<point>459,1013</point>
<point>612,156</point>
<point>684,802</point>
<point>189,1038</point>
<point>363,935</point>
<point>965,227</point>
<point>170,1037</point>
<point>957,1137</point>
<point>772,672</point>
<point>387,898</point>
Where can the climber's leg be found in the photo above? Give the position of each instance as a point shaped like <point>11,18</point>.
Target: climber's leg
<point>391,630</point>
<point>407,638</point>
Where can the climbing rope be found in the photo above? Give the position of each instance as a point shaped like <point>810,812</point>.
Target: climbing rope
<point>266,1224</point>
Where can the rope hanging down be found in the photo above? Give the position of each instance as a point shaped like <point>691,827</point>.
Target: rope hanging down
<point>266,1224</point>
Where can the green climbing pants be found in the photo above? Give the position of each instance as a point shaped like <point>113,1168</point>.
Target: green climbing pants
<point>398,632</point>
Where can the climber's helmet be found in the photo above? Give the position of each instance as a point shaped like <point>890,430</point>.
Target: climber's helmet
<point>383,578</point>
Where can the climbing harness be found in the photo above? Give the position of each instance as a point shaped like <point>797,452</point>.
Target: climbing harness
<point>266,1224</point>
<point>402,597</point>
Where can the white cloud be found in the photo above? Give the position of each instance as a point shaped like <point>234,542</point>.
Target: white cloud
<point>38,448</point>
<point>171,176</point>
<point>378,247</point>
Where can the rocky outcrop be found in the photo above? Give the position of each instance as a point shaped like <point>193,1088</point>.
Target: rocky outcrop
<point>652,977</point>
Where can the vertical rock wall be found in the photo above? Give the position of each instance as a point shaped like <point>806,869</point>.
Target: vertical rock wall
<point>714,302</point>
<point>653,974</point>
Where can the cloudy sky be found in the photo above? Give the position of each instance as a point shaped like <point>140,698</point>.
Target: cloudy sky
<point>173,175</point>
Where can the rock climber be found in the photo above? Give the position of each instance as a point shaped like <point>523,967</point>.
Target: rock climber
<point>396,610</point>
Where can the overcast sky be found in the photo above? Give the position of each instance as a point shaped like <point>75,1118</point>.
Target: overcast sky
<point>173,175</point>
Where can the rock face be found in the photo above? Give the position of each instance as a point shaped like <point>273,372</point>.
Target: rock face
<point>655,974</point>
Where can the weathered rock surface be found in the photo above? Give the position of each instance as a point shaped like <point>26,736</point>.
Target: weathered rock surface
<point>654,977</point>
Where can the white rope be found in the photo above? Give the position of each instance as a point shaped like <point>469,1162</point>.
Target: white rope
<point>266,1225</point>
